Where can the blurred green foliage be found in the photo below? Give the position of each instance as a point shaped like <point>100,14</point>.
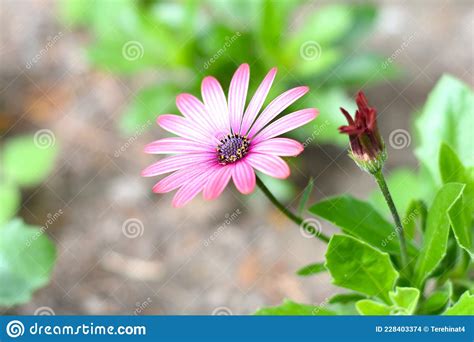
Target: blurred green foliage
<point>181,42</point>
<point>27,257</point>
<point>26,254</point>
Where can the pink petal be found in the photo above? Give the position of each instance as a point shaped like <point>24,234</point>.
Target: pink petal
<point>276,107</point>
<point>195,110</point>
<point>189,190</point>
<point>279,147</point>
<point>243,176</point>
<point>257,101</point>
<point>177,162</point>
<point>238,95</point>
<point>215,102</point>
<point>176,145</point>
<point>184,128</point>
<point>217,182</point>
<point>271,165</point>
<point>177,179</point>
<point>286,123</point>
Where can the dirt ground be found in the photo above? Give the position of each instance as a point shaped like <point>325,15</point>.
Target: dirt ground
<point>169,268</point>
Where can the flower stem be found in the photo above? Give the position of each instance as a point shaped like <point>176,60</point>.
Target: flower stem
<point>292,216</point>
<point>379,177</point>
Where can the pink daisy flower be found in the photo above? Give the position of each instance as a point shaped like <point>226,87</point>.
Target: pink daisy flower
<point>219,140</point>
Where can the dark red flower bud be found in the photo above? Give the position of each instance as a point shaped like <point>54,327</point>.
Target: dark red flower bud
<point>367,146</point>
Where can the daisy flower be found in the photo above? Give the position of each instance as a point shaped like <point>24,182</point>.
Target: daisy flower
<point>218,139</point>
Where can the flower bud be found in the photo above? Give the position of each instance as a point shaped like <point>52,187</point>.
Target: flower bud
<point>367,146</point>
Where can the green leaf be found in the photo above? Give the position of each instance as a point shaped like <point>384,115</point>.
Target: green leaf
<point>405,298</point>
<point>359,219</point>
<point>450,167</point>
<point>372,308</point>
<point>355,265</point>
<point>446,117</point>
<point>398,182</point>
<point>305,196</point>
<point>403,302</point>
<point>437,300</point>
<point>27,160</point>
<point>416,211</point>
<point>290,308</point>
<point>464,306</point>
<point>10,198</point>
<point>146,106</point>
<point>437,229</point>
<point>346,298</point>
<point>311,269</point>
<point>460,224</point>
<point>460,215</point>
<point>26,260</point>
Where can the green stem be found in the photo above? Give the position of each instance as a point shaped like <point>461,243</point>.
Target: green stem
<point>293,217</point>
<point>379,177</point>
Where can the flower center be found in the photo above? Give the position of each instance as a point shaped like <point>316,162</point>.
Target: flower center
<point>232,148</point>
